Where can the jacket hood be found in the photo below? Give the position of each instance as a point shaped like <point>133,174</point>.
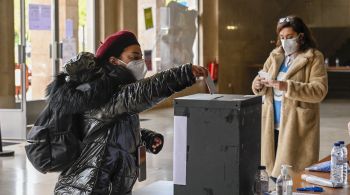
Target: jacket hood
<point>85,85</point>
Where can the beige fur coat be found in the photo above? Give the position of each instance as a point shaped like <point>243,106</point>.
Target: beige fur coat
<point>299,137</point>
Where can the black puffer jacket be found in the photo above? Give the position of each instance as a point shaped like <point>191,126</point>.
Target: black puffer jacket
<point>111,127</point>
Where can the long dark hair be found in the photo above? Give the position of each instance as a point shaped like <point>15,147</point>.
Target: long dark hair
<point>306,41</point>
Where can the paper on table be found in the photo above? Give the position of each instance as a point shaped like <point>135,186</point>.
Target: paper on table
<point>211,85</point>
<point>180,147</point>
<point>320,181</point>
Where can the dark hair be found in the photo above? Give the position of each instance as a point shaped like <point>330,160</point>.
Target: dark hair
<point>306,41</point>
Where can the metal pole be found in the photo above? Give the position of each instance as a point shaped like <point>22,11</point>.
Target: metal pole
<point>0,140</point>
<point>23,55</point>
<point>199,35</point>
<point>55,37</point>
<point>83,45</point>
<point>23,69</point>
<point>94,21</point>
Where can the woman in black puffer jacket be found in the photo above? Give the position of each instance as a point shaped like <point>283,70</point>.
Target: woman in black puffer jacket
<point>111,128</point>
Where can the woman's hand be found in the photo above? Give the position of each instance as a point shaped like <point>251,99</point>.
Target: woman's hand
<point>199,71</point>
<point>258,83</point>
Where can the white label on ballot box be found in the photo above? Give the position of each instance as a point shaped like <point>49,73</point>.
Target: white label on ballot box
<point>180,150</point>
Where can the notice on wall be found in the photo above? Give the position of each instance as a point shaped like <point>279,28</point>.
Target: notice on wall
<point>17,77</point>
<point>69,49</point>
<point>180,150</point>
<point>69,28</point>
<point>148,59</point>
<point>148,18</point>
<point>39,17</point>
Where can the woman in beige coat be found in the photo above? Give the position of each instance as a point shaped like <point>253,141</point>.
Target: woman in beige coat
<point>292,92</point>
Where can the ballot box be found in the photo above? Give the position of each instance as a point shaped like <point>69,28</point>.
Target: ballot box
<point>216,144</point>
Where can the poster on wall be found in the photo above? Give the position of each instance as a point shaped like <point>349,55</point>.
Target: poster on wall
<point>69,49</point>
<point>148,59</point>
<point>69,28</point>
<point>148,18</point>
<point>39,17</point>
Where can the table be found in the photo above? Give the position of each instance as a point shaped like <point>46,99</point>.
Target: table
<point>338,82</point>
<point>298,182</point>
<point>338,68</point>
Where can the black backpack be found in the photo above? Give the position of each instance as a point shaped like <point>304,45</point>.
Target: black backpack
<point>53,142</point>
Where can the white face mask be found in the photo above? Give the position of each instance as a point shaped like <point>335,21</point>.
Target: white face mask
<point>137,67</point>
<point>290,45</point>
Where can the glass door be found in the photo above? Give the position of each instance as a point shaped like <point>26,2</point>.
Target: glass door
<point>47,34</point>
<point>33,64</point>
<point>40,59</point>
<point>12,104</point>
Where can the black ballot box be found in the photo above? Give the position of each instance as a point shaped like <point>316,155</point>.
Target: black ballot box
<point>216,144</point>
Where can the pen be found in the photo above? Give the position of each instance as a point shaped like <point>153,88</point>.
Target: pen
<point>311,189</point>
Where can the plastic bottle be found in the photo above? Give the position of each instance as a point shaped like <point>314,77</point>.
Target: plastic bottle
<point>337,164</point>
<point>326,62</point>
<point>284,183</point>
<point>345,162</point>
<point>337,62</point>
<point>261,185</point>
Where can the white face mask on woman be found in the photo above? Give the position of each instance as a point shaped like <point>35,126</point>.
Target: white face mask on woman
<point>137,67</point>
<point>290,46</point>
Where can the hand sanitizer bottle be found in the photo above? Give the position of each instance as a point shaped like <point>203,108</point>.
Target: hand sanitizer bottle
<point>261,185</point>
<point>284,183</point>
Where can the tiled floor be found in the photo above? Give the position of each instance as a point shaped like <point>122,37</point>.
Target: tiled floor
<point>18,177</point>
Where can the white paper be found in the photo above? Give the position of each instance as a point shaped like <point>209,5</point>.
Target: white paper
<point>319,181</point>
<point>69,28</point>
<point>211,85</point>
<point>18,77</point>
<point>264,75</point>
<point>39,17</point>
<point>69,49</point>
<point>180,150</point>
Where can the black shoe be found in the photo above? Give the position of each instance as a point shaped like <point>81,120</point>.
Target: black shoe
<point>273,179</point>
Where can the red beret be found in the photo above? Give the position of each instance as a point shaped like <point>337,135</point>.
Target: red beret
<point>115,44</point>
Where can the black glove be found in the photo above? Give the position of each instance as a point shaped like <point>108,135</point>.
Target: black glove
<point>153,141</point>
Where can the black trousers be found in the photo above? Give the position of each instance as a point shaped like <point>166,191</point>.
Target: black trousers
<point>277,132</point>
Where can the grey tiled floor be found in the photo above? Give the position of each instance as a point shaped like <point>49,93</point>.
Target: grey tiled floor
<point>18,177</point>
